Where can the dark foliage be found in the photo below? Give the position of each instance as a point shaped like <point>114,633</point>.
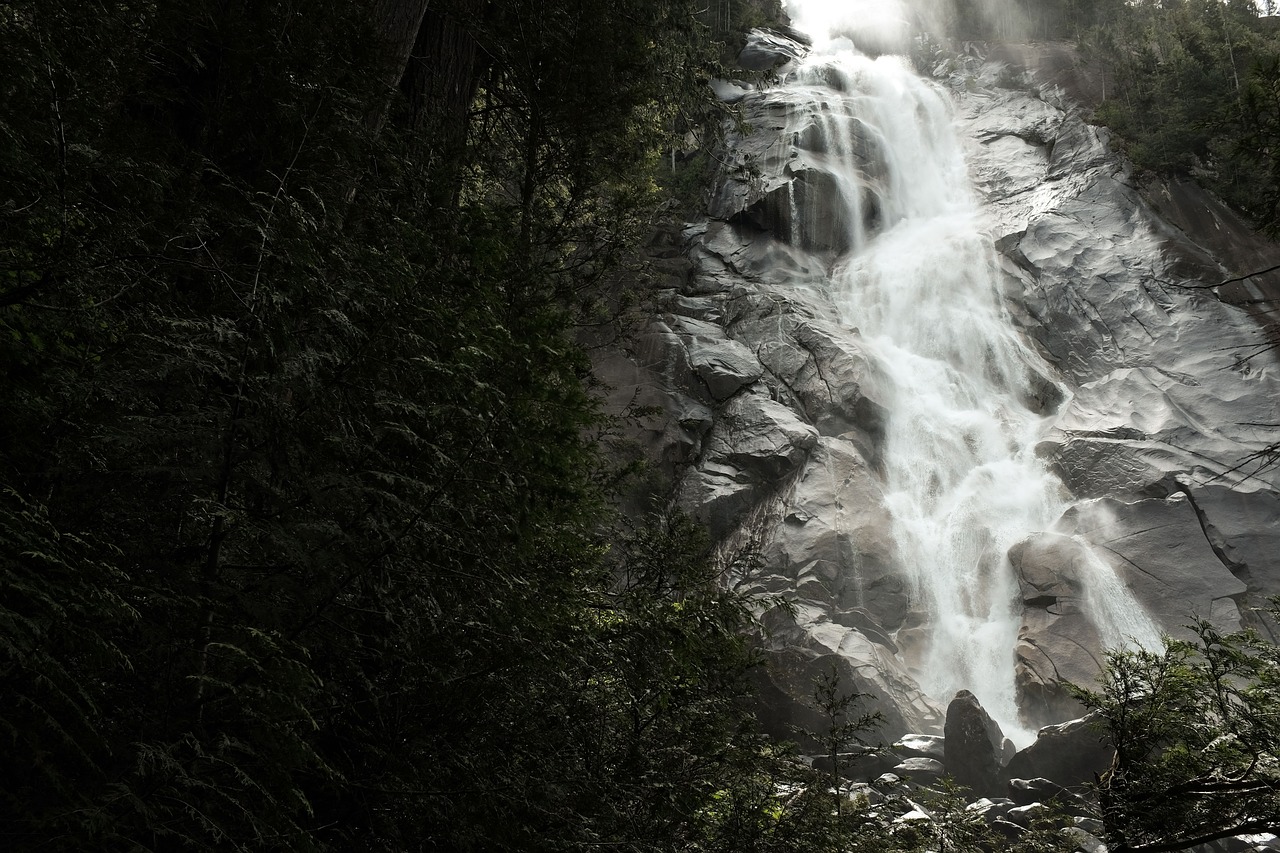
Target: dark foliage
<point>303,525</point>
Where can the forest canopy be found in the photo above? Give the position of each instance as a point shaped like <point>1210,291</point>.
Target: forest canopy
<point>305,540</point>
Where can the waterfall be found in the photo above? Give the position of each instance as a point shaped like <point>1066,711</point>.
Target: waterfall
<point>917,275</point>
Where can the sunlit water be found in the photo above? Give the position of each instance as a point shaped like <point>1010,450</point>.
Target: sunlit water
<point>962,480</point>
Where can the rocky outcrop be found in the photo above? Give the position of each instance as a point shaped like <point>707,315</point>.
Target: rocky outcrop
<point>1165,400</point>
<point>765,408</point>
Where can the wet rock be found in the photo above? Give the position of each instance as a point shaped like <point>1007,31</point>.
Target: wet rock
<point>921,746</point>
<point>723,366</point>
<point>766,50</point>
<point>1162,554</point>
<point>1057,641</point>
<point>1070,754</point>
<point>921,770</point>
<point>973,745</point>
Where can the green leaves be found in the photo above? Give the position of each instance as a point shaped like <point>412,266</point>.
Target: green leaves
<point>1196,733</point>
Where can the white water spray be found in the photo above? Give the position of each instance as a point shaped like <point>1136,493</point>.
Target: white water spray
<point>962,480</point>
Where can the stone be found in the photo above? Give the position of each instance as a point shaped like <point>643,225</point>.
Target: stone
<point>799,649</point>
<point>973,745</point>
<point>921,746</point>
<point>835,524</point>
<point>1024,792</point>
<point>1024,816</point>
<point>920,770</point>
<point>1046,565</point>
<point>1243,530</point>
<point>1085,842</point>
<point>1160,550</point>
<point>753,443</point>
<point>1070,754</point>
<point>766,50</point>
<point>862,794</point>
<point>722,365</point>
<point>887,780</point>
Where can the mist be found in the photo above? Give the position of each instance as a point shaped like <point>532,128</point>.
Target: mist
<point>883,26</point>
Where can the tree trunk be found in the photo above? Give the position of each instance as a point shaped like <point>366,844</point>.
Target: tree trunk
<point>444,68</point>
<point>397,23</point>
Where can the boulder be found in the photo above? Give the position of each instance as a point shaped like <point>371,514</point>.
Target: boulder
<point>921,746</point>
<point>974,744</point>
<point>1058,642</point>
<point>1085,842</point>
<point>920,770</point>
<point>1070,754</point>
<point>1024,792</point>
<point>1024,816</point>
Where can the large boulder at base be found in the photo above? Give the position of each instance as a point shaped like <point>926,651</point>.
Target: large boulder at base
<point>1072,753</point>
<point>1057,641</point>
<point>973,745</point>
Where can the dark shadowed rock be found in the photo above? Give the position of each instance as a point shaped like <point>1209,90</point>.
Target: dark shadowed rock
<point>973,745</point>
<point>1024,792</point>
<point>1070,754</point>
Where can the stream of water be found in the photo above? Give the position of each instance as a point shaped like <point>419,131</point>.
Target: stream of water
<point>921,284</point>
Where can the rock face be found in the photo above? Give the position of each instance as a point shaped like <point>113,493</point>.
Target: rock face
<point>766,409</point>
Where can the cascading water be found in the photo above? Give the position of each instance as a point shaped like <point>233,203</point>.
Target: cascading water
<point>919,280</point>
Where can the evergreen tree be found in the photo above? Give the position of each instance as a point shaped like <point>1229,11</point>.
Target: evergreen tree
<point>1196,732</point>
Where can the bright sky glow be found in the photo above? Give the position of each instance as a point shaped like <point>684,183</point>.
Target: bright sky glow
<point>877,21</point>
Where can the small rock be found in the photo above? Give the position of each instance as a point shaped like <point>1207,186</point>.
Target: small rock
<point>887,780</point>
<point>921,746</point>
<point>1085,842</point>
<point>1023,816</point>
<point>921,769</point>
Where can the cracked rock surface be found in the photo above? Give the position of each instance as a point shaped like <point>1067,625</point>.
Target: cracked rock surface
<point>766,413</point>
